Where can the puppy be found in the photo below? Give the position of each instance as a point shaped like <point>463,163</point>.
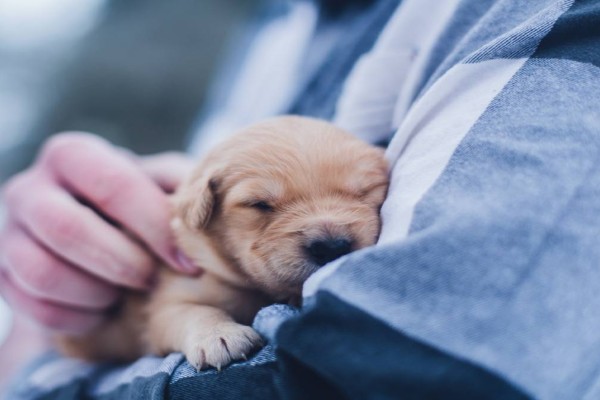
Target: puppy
<point>260,214</point>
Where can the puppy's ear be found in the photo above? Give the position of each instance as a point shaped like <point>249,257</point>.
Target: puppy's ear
<point>195,201</point>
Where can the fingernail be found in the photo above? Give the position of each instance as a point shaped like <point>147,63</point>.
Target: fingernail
<point>186,264</point>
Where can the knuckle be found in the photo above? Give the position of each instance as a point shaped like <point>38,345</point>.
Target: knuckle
<point>69,139</point>
<point>15,186</point>
<point>65,231</point>
<point>41,278</point>
<point>60,144</point>
<point>37,272</point>
<point>110,186</point>
<point>57,226</point>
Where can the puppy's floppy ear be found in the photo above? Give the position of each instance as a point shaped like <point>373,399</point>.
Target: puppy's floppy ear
<point>195,201</point>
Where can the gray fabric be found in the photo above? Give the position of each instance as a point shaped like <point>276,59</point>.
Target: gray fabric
<point>501,263</point>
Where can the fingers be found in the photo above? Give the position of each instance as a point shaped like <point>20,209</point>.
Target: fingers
<point>42,275</point>
<point>60,260</point>
<point>168,170</point>
<point>116,186</point>
<point>78,234</point>
<point>49,315</point>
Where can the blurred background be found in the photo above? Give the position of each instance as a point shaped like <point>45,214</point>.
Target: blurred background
<point>136,71</point>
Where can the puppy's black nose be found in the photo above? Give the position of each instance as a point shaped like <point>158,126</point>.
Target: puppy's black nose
<point>322,251</point>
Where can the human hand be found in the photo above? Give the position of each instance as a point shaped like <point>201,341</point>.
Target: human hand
<point>85,220</point>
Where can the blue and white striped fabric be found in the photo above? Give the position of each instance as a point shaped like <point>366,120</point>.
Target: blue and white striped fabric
<point>486,280</point>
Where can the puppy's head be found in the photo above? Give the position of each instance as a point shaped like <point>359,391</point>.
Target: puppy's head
<point>283,198</point>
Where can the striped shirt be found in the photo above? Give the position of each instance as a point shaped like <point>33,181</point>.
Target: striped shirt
<point>485,282</point>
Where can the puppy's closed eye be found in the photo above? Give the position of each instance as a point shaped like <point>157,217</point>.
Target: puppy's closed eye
<point>261,205</point>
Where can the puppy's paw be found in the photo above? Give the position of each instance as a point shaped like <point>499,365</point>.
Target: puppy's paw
<point>219,346</point>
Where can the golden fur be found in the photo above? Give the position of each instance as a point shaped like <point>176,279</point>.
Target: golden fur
<point>247,215</point>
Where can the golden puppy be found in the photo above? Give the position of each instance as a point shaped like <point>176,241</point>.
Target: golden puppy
<point>260,214</point>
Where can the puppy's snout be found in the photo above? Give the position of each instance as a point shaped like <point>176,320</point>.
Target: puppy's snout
<point>322,251</point>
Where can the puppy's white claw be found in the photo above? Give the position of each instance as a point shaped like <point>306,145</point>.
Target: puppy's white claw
<point>220,346</point>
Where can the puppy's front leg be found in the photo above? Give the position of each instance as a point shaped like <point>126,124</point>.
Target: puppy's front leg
<point>206,335</point>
